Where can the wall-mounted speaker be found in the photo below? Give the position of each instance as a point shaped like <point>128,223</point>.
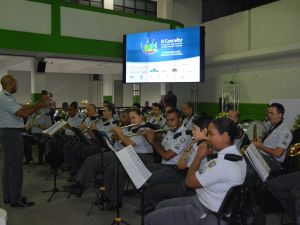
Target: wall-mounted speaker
<point>95,77</point>
<point>41,66</point>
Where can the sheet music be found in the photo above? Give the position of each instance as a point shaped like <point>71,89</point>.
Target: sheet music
<point>134,166</point>
<point>258,162</point>
<point>55,127</point>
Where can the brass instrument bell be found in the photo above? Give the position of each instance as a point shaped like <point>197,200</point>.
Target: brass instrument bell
<point>294,150</point>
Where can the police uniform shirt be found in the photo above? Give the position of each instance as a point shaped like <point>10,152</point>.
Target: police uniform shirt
<point>158,120</point>
<point>41,119</point>
<point>73,122</point>
<point>141,145</point>
<point>280,137</point>
<point>177,142</point>
<point>191,156</point>
<point>107,126</point>
<point>188,122</point>
<point>218,176</point>
<point>8,108</point>
<point>88,121</point>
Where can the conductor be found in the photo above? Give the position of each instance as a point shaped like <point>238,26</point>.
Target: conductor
<point>11,129</point>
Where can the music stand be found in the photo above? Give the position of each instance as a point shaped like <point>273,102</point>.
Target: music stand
<point>101,138</point>
<point>105,140</point>
<point>55,188</point>
<point>81,136</point>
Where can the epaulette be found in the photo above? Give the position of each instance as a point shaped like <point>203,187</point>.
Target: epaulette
<point>233,157</point>
<point>189,132</point>
<point>177,135</point>
<point>106,124</point>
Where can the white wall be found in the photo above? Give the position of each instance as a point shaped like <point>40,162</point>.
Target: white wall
<point>26,16</point>
<point>258,49</point>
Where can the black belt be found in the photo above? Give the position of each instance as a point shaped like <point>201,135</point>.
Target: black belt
<point>170,166</point>
<point>11,128</point>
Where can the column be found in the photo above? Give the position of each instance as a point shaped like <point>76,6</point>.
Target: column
<point>108,88</point>
<point>108,4</point>
<point>165,9</point>
<point>38,81</point>
<point>136,93</point>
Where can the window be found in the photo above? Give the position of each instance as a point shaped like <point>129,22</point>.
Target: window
<point>140,7</point>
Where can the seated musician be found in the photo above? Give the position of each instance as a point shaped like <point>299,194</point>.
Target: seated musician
<point>170,149</point>
<point>107,125</point>
<point>211,182</point>
<point>188,113</point>
<point>157,193</point>
<point>275,142</point>
<point>286,188</point>
<point>92,121</point>
<point>158,118</point>
<point>35,124</point>
<point>93,164</point>
<point>241,138</point>
<point>141,146</point>
<point>74,119</point>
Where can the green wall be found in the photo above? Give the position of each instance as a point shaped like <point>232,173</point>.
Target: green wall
<point>55,43</point>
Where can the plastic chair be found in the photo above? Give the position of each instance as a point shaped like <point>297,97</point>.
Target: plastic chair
<point>230,203</point>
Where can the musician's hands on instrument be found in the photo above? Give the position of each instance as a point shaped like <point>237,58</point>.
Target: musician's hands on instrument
<point>149,134</point>
<point>204,149</point>
<point>93,126</point>
<point>117,130</point>
<point>258,144</point>
<point>82,126</point>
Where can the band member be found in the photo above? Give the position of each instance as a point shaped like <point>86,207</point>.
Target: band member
<point>211,182</point>
<point>187,110</point>
<point>74,119</point>
<point>94,163</point>
<point>35,124</point>
<point>170,149</point>
<point>157,193</point>
<point>274,144</point>
<point>141,146</point>
<point>286,188</point>
<point>242,138</point>
<point>157,118</point>
<point>11,138</point>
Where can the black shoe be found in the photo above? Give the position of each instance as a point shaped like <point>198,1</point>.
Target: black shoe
<point>22,203</point>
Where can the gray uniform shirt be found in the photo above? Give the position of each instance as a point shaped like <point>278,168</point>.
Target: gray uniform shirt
<point>8,108</point>
<point>280,137</point>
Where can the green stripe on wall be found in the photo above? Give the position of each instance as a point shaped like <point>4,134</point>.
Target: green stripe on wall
<point>136,99</point>
<point>107,98</point>
<point>59,44</point>
<point>35,97</point>
<point>248,111</point>
<point>55,43</point>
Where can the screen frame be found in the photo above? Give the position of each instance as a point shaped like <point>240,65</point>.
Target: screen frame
<point>202,59</point>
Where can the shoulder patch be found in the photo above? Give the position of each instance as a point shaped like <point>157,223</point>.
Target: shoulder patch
<point>211,164</point>
<point>182,140</point>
